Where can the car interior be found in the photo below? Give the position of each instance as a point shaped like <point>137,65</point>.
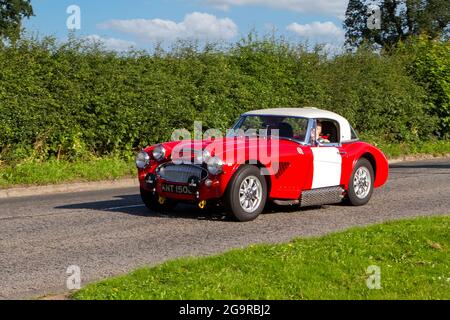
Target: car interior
<point>330,129</point>
<point>288,127</point>
<point>286,130</point>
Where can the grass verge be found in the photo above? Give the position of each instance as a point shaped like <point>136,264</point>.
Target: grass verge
<point>54,172</point>
<point>413,256</point>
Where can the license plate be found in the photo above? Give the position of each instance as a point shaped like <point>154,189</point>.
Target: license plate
<point>172,188</point>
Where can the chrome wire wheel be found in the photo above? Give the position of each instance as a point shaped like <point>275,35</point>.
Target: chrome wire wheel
<point>250,194</point>
<point>362,182</point>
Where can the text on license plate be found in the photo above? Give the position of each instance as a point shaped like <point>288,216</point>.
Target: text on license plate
<point>175,189</point>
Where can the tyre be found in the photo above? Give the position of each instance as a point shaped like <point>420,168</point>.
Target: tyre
<point>360,187</point>
<point>246,194</point>
<point>151,201</point>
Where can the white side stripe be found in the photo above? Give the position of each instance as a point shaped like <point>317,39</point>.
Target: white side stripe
<point>327,167</point>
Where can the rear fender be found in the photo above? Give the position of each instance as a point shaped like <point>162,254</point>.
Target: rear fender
<point>356,151</point>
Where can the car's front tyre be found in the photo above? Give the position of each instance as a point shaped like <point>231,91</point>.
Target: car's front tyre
<point>360,187</point>
<point>151,201</point>
<point>246,195</point>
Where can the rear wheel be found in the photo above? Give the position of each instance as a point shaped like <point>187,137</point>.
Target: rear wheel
<point>247,194</point>
<point>152,201</point>
<point>360,187</point>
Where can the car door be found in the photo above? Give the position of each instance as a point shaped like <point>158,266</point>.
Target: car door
<point>327,166</point>
<point>327,163</point>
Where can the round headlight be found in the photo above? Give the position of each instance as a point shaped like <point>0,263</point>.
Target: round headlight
<point>142,160</point>
<point>198,157</point>
<point>215,166</point>
<point>159,152</point>
<point>206,156</point>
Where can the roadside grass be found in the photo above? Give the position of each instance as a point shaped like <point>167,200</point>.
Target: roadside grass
<point>413,256</point>
<point>56,172</point>
<point>62,171</point>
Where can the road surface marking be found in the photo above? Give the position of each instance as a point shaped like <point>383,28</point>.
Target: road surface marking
<point>126,207</point>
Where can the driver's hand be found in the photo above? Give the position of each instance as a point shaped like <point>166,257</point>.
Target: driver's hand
<point>322,141</point>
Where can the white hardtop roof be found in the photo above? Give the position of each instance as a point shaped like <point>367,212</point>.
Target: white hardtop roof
<point>310,113</point>
<point>296,112</point>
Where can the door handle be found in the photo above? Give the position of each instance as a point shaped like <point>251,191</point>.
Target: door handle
<point>342,153</point>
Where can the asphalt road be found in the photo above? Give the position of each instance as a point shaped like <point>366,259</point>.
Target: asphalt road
<point>107,233</point>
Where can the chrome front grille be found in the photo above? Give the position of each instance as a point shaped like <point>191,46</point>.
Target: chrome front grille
<point>181,173</point>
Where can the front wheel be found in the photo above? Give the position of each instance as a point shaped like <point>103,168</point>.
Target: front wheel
<point>247,194</point>
<point>360,187</point>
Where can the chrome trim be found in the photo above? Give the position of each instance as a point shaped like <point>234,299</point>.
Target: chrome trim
<point>250,194</point>
<point>350,141</point>
<point>180,173</point>
<point>146,160</point>
<point>334,144</point>
<point>362,182</point>
<point>163,152</point>
<point>220,163</point>
<point>327,195</point>
<point>311,125</point>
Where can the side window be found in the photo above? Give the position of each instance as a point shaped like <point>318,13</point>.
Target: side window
<point>252,123</point>
<point>354,136</point>
<point>329,131</point>
<point>297,128</point>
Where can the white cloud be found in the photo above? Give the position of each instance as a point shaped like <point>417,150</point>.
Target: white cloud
<point>195,25</point>
<point>335,7</point>
<point>111,43</point>
<point>327,34</point>
<point>320,30</point>
<point>332,49</point>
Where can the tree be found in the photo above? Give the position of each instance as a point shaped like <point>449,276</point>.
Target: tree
<point>11,14</point>
<point>400,19</point>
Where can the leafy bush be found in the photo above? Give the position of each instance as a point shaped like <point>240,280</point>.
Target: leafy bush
<point>430,65</point>
<point>77,101</point>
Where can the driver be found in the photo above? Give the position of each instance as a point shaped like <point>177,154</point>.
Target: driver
<point>321,138</point>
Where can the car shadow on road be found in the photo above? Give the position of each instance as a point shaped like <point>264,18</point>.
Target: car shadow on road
<point>132,205</point>
<point>272,208</point>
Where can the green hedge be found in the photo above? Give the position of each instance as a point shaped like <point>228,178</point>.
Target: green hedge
<point>76,100</point>
<point>430,66</point>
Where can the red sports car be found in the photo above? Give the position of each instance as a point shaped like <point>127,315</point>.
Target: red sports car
<point>291,156</point>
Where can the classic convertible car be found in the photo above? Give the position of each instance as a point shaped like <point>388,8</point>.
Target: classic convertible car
<point>290,156</point>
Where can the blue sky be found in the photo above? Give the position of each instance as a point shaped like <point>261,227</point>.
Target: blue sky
<point>121,23</point>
